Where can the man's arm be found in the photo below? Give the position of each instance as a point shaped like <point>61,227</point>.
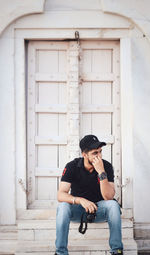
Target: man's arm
<point>64,196</point>
<point>107,188</point>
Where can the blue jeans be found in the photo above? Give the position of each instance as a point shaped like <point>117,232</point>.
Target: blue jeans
<point>108,210</point>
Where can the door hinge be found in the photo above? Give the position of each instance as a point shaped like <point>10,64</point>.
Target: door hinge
<point>20,181</point>
<point>77,38</point>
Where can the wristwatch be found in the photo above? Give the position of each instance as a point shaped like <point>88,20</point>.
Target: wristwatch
<point>102,176</point>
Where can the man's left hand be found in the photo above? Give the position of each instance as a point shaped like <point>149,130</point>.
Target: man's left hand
<point>98,164</point>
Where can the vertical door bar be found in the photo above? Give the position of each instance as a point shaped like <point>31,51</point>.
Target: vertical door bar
<point>73,100</point>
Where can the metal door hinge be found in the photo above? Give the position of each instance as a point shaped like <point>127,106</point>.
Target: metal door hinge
<point>20,181</point>
<point>127,181</point>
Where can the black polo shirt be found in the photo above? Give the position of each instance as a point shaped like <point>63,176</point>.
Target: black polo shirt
<point>83,183</point>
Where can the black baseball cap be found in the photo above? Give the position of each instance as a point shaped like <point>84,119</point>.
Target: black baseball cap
<point>90,142</point>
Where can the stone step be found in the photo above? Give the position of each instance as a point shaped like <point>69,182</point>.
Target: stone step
<point>46,230</point>
<point>51,214</point>
<point>80,247</point>
<point>8,232</point>
<point>81,253</point>
<point>36,235</point>
<point>8,246</point>
<point>8,239</point>
<point>51,224</point>
<point>143,245</point>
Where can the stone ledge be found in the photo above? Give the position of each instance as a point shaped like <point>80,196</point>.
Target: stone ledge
<point>77,245</point>
<point>51,224</point>
<point>51,214</point>
<point>8,246</point>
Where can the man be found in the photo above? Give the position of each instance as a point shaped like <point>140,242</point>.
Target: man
<point>91,180</point>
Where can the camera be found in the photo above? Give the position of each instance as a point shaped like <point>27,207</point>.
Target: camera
<point>86,218</point>
<point>90,217</point>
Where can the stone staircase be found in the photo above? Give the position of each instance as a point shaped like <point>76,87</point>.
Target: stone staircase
<point>8,239</point>
<point>36,235</point>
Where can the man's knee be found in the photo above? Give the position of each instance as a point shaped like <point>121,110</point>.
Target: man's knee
<point>112,206</point>
<point>63,210</point>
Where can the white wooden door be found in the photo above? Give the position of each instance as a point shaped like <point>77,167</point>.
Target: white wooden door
<point>72,91</point>
<point>100,99</point>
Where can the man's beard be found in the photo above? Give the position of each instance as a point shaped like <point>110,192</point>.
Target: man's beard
<point>90,162</point>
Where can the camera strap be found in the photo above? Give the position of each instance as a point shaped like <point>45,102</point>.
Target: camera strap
<point>82,229</point>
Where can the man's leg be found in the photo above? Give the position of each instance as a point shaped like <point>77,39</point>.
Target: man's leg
<point>62,227</point>
<point>65,213</point>
<point>109,210</point>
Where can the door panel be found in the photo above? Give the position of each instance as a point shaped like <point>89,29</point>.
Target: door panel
<point>47,121</point>
<point>100,99</point>
<point>72,91</point>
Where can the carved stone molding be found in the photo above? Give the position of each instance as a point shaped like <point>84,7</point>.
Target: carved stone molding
<point>136,11</point>
<point>12,10</point>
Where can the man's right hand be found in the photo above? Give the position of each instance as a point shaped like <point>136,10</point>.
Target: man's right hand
<point>86,204</point>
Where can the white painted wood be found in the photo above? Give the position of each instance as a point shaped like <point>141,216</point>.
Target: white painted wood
<point>73,100</point>
<point>50,77</point>
<point>74,81</point>
<point>53,171</point>
<point>20,98</point>
<point>48,45</point>
<point>100,98</point>
<point>94,33</point>
<point>55,108</point>
<point>96,59</point>
<point>97,108</point>
<point>97,77</point>
<point>47,155</point>
<point>104,91</point>
<point>45,94</point>
<point>127,122</point>
<point>31,150</point>
<point>116,121</point>
<point>50,140</point>
<point>46,188</point>
<point>105,46</point>
<point>49,123</point>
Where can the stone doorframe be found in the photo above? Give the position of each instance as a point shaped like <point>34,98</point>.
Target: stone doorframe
<point>126,103</point>
<point>124,9</point>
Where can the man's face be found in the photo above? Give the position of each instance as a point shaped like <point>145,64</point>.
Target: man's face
<point>92,154</point>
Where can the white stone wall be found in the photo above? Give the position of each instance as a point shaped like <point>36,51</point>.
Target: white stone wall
<point>135,13</point>
<point>7,130</point>
<point>141,136</point>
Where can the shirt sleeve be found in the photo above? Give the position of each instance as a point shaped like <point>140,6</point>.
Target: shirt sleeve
<point>109,170</point>
<point>67,175</point>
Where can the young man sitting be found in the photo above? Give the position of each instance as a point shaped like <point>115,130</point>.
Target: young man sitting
<point>91,180</point>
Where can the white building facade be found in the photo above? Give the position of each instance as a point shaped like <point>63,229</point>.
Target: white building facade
<point>71,68</point>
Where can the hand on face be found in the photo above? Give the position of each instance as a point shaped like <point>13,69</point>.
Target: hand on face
<point>98,164</point>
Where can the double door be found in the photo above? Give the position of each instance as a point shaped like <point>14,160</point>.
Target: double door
<point>72,90</point>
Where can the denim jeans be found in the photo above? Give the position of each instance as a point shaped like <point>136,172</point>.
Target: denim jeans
<point>108,210</point>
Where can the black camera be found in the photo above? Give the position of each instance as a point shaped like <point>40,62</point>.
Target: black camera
<point>90,217</point>
<point>86,218</point>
